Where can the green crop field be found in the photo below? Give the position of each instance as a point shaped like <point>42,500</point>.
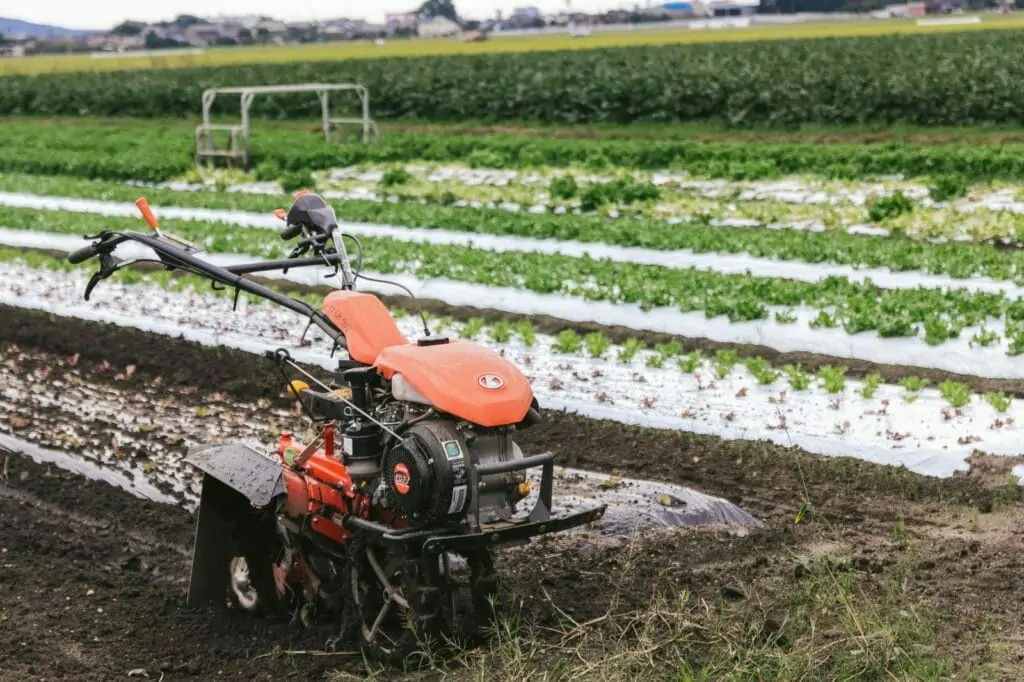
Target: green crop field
<point>946,79</point>
<point>160,149</point>
<point>449,46</point>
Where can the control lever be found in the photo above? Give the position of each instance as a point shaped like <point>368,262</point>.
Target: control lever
<point>147,215</point>
<point>107,268</point>
<point>316,241</point>
<point>175,240</point>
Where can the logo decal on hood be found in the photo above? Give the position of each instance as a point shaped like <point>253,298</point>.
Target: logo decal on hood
<point>491,381</point>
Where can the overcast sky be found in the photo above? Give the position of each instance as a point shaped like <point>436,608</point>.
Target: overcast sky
<point>101,14</point>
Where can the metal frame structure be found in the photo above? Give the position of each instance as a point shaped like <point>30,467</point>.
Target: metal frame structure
<point>238,145</point>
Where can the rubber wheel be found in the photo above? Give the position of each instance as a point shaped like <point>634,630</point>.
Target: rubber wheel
<point>257,548</point>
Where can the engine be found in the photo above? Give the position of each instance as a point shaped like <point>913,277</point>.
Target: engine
<point>427,477</point>
<point>428,472</point>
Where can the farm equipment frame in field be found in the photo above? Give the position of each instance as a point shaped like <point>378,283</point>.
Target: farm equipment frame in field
<point>237,149</point>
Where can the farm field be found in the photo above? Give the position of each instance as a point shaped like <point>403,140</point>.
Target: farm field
<point>954,79</point>
<point>822,325</point>
<point>888,559</point>
<point>497,44</point>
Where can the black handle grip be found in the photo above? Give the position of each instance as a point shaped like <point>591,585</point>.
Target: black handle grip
<point>290,231</point>
<point>83,254</point>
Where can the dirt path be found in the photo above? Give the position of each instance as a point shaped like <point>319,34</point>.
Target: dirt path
<point>886,572</point>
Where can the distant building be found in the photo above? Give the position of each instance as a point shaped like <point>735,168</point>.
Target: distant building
<point>679,10</point>
<point>248,21</point>
<point>364,29</point>
<point>722,8</point>
<point>335,30</point>
<point>945,6</point>
<point>202,35</point>
<point>15,50</point>
<point>269,27</point>
<point>437,27</point>
<point>400,20</point>
<point>526,17</point>
<point>907,9</point>
<point>528,13</point>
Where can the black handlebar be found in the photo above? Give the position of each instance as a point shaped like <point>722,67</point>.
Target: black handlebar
<point>309,210</point>
<point>175,257</point>
<point>290,231</point>
<point>83,254</point>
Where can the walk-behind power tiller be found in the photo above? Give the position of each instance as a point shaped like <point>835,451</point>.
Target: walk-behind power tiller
<point>386,522</point>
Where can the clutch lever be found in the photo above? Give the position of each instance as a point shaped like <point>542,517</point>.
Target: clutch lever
<point>317,242</point>
<point>107,267</point>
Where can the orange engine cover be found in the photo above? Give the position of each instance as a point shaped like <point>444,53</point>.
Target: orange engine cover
<point>461,378</point>
<point>366,323</point>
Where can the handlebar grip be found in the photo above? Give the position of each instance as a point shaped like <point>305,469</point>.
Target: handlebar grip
<point>83,254</point>
<point>290,232</point>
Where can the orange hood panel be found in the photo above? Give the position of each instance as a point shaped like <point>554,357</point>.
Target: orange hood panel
<point>366,323</point>
<point>461,378</point>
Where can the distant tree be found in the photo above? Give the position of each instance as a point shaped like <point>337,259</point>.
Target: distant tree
<point>155,42</point>
<point>128,28</point>
<point>4,39</point>
<point>439,8</point>
<point>186,20</point>
<point>262,34</point>
<point>245,37</point>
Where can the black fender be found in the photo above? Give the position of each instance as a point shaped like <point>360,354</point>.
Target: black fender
<point>256,476</point>
<point>239,485</point>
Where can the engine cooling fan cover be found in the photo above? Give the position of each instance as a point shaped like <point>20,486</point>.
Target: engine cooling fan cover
<point>425,474</point>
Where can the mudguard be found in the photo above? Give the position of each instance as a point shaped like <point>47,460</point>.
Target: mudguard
<point>247,471</point>
<point>237,480</point>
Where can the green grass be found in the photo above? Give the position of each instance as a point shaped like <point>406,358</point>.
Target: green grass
<point>827,622</point>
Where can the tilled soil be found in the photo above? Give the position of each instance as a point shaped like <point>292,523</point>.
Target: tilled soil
<point>92,580</point>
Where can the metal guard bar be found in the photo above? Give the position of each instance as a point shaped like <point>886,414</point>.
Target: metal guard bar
<point>439,539</point>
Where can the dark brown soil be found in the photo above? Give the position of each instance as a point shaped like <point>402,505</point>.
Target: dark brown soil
<point>950,546</point>
<point>91,586</point>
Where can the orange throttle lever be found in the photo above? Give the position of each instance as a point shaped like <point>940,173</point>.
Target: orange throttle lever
<point>147,214</point>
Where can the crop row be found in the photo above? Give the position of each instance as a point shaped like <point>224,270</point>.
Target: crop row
<point>855,307</point>
<point>918,79</point>
<point>956,260</point>
<point>159,150</point>
<point>594,345</point>
<point>911,221</point>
